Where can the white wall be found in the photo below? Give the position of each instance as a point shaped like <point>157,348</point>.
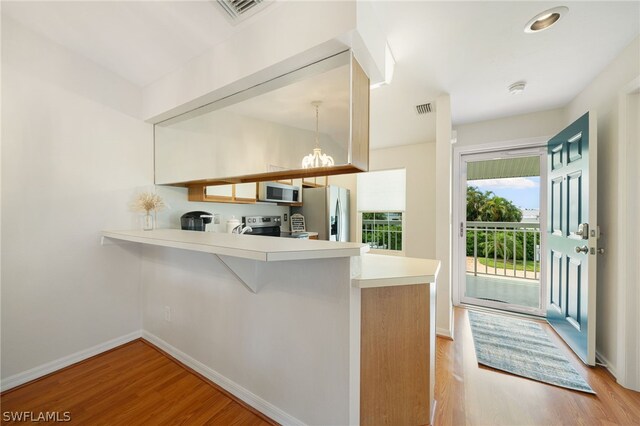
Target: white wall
<point>601,96</point>
<point>525,126</point>
<point>629,367</point>
<point>442,199</point>
<point>419,161</point>
<point>263,50</point>
<point>72,156</point>
<point>287,348</point>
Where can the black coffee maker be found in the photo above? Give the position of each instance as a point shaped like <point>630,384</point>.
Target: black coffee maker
<point>195,221</point>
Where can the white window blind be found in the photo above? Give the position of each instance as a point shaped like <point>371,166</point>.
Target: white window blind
<point>382,191</point>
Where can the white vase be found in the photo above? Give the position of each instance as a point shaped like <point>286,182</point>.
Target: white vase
<point>147,223</point>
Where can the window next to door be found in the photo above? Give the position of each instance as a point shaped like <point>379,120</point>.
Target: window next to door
<point>382,230</point>
<point>381,208</point>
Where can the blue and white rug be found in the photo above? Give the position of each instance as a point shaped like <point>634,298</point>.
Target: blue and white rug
<point>522,347</point>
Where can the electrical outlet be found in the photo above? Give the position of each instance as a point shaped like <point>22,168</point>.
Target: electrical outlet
<point>286,217</point>
<point>167,313</point>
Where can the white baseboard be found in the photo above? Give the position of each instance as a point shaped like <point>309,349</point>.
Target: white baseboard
<point>443,332</point>
<point>233,388</point>
<point>50,367</point>
<point>607,364</point>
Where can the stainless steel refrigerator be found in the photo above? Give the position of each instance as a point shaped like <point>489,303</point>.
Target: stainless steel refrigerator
<point>326,211</point>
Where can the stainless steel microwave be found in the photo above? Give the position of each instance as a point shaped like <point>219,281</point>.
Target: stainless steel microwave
<point>278,192</point>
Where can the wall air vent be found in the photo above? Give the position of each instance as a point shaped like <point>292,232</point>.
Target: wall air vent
<point>424,108</point>
<point>238,10</point>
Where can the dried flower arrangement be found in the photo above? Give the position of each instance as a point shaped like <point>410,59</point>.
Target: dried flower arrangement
<point>147,202</point>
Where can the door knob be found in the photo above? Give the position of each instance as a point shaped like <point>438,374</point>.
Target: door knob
<point>583,249</point>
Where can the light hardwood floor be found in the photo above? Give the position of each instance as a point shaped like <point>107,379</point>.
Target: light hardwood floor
<point>133,384</point>
<point>467,394</point>
<point>137,384</point>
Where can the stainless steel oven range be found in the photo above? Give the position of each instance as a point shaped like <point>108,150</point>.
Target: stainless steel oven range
<point>269,226</point>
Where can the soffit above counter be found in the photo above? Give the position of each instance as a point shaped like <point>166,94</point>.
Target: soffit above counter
<point>263,133</point>
<point>271,46</point>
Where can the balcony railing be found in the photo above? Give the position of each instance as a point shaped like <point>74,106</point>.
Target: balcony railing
<point>382,230</point>
<point>509,249</point>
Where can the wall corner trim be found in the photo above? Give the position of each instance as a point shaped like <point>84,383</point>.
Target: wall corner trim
<point>608,365</point>
<point>55,365</point>
<point>233,388</point>
<point>443,332</point>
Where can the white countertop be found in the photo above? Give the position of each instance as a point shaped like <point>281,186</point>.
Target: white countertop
<point>242,246</point>
<point>311,233</point>
<point>386,271</point>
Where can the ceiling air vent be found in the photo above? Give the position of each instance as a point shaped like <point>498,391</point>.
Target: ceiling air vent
<point>424,108</point>
<point>237,10</point>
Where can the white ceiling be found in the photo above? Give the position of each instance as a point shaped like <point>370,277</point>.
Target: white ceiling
<point>471,50</point>
<point>138,40</point>
<point>475,50</point>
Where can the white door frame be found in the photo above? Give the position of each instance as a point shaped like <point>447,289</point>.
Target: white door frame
<point>459,214</point>
<point>628,297</point>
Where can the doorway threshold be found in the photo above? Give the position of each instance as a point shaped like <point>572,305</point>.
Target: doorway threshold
<point>497,311</point>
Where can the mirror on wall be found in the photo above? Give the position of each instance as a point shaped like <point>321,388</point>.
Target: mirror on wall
<point>265,132</point>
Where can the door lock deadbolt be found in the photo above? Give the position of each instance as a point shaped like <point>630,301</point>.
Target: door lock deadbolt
<point>583,231</point>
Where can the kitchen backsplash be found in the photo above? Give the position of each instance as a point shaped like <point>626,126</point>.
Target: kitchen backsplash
<point>176,200</point>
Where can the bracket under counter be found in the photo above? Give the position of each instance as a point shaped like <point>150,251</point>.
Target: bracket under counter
<point>245,271</point>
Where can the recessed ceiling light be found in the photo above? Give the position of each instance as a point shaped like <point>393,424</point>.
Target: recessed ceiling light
<point>517,88</point>
<point>545,20</point>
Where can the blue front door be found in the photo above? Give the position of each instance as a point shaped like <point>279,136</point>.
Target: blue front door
<point>572,234</point>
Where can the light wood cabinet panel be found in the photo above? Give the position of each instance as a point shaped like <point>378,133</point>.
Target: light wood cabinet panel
<point>397,358</point>
<point>360,118</point>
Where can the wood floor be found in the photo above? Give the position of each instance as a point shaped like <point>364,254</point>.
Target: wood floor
<point>131,385</point>
<point>137,384</point>
<point>467,394</point>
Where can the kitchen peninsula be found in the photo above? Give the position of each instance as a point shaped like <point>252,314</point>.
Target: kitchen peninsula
<point>320,333</point>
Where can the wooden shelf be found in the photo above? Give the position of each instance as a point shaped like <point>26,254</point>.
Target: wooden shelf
<point>199,193</point>
<point>274,176</point>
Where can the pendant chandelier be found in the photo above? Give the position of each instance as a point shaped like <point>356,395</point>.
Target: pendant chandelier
<point>317,158</point>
